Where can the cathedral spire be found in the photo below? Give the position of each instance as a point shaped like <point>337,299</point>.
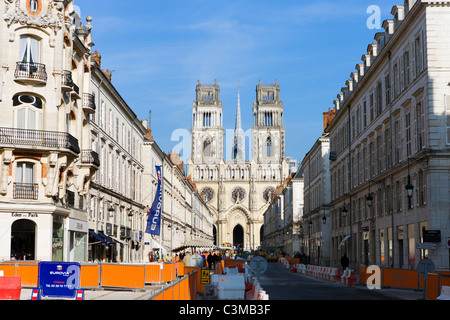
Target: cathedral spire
<point>238,146</point>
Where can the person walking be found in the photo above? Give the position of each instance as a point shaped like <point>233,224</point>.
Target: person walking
<point>345,262</point>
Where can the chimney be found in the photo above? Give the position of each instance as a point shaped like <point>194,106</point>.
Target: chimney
<point>328,118</point>
<point>97,58</point>
<point>108,74</point>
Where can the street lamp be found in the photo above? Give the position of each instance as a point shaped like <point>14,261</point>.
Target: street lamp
<point>409,187</point>
<point>369,200</point>
<point>324,219</point>
<point>344,212</point>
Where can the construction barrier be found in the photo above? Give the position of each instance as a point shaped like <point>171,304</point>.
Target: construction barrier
<point>123,276</point>
<point>183,289</point>
<point>10,288</point>
<point>437,284</point>
<point>199,286</point>
<point>90,276</point>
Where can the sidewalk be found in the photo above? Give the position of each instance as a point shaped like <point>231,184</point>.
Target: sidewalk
<point>106,294</point>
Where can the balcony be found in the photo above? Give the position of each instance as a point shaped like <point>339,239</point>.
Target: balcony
<point>89,103</point>
<point>75,92</point>
<point>66,81</point>
<point>30,72</point>
<point>27,191</point>
<point>36,139</point>
<point>89,157</point>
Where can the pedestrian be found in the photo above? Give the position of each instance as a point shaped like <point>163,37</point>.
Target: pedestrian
<point>345,261</point>
<point>210,260</point>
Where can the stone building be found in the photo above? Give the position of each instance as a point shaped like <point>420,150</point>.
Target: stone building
<point>116,214</point>
<point>238,190</point>
<point>390,155</point>
<point>45,70</point>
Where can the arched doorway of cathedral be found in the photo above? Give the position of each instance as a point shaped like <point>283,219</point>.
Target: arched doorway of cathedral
<point>238,237</point>
<point>23,240</point>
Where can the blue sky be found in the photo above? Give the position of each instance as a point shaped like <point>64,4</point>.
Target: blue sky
<point>159,49</point>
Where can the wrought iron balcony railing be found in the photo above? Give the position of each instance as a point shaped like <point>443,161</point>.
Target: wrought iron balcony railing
<point>90,157</point>
<point>30,71</point>
<point>66,80</point>
<point>38,138</point>
<point>28,191</point>
<point>89,103</point>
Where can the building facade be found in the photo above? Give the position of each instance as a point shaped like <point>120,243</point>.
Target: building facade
<point>116,213</point>
<point>390,141</point>
<point>45,69</point>
<point>316,213</point>
<point>283,219</point>
<point>186,221</point>
<point>238,191</point>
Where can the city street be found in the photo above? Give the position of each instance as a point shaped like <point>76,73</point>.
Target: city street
<point>281,284</point>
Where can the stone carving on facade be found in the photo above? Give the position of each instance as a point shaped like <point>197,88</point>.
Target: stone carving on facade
<point>16,12</point>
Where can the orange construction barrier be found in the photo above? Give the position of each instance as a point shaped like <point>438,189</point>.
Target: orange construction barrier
<point>433,288</point>
<point>90,276</point>
<point>123,276</point>
<point>28,272</point>
<point>401,278</point>
<point>183,289</point>
<point>154,273</point>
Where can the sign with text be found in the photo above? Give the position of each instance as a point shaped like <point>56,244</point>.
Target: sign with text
<point>59,279</point>
<point>205,277</point>
<point>432,236</point>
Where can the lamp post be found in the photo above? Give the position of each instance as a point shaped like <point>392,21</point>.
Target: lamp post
<point>409,187</point>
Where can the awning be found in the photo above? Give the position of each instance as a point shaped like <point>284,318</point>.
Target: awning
<point>96,236</point>
<point>119,241</point>
<point>108,239</point>
<point>343,240</point>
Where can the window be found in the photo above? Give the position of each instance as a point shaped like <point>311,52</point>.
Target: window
<point>268,147</point>
<point>406,76</point>
<point>396,81</point>
<point>408,133</point>
<point>33,6</point>
<point>372,111</point>
<point>207,148</point>
<point>418,55</point>
<point>421,189</point>
<point>29,50</point>
<point>24,174</point>
<point>420,124</point>
<point>365,115</point>
<point>27,112</point>
<point>379,99</point>
<point>388,89</point>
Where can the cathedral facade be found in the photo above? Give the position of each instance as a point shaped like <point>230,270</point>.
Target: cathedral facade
<point>238,189</point>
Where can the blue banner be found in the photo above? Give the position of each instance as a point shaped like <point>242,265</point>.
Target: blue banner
<point>154,216</point>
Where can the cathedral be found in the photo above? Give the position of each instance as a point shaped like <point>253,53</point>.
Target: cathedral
<point>237,188</point>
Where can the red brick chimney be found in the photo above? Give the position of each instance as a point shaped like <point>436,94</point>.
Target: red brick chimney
<point>97,58</point>
<point>328,118</point>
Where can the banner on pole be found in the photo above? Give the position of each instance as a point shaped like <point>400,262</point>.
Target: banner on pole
<point>154,216</point>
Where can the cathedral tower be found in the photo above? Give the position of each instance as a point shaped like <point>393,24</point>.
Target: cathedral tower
<point>207,125</point>
<point>268,134</point>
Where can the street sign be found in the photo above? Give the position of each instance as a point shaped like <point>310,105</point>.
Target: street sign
<point>426,246</point>
<point>205,276</point>
<point>59,279</point>
<point>258,265</point>
<point>425,266</point>
<point>432,236</point>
